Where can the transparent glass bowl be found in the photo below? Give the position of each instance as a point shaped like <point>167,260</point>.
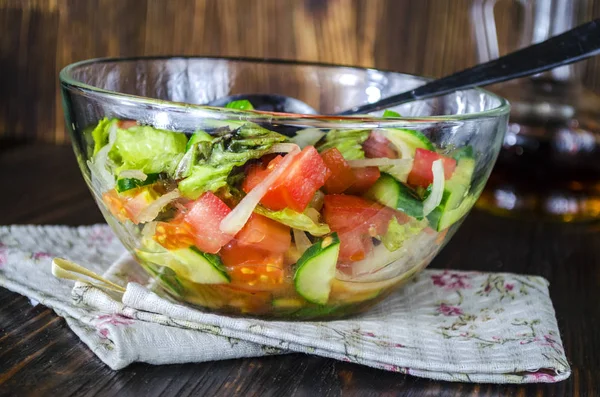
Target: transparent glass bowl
<point>265,269</point>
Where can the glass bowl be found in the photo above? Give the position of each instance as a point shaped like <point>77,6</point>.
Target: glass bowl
<point>275,214</point>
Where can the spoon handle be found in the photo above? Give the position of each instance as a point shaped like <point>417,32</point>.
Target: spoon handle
<point>571,46</point>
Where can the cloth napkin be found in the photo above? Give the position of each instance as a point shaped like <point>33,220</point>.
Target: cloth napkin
<point>445,325</point>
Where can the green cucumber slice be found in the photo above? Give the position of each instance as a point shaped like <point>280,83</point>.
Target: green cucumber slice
<point>316,270</point>
<point>125,184</point>
<point>190,263</point>
<point>458,186</point>
<point>456,201</point>
<point>442,218</point>
<point>394,194</point>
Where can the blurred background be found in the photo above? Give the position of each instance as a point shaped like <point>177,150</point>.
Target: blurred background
<point>425,37</point>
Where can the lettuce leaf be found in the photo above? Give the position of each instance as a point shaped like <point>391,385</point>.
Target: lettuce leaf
<point>398,233</point>
<point>348,142</point>
<point>215,159</point>
<point>295,220</point>
<point>100,133</point>
<point>148,149</point>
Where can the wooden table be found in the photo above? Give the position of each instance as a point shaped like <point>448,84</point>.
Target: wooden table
<point>39,355</point>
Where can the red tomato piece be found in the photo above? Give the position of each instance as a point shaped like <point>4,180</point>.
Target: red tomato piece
<point>264,233</point>
<point>356,220</point>
<point>129,205</point>
<point>365,178</point>
<point>377,146</point>
<point>296,186</point>
<point>421,173</point>
<point>252,268</point>
<point>341,177</point>
<point>354,246</point>
<point>204,215</point>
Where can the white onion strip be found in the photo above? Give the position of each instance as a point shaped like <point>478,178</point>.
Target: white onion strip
<point>401,146</point>
<point>301,240</point>
<point>237,218</point>
<point>135,174</point>
<point>283,148</point>
<point>381,162</point>
<point>153,209</point>
<point>437,189</point>
<point>102,179</point>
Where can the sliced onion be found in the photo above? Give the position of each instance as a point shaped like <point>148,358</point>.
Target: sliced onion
<point>149,230</point>
<point>185,164</point>
<point>401,146</point>
<point>153,209</point>
<point>437,189</point>
<point>381,162</point>
<point>308,137</point>
<point>283,148</point>
<point>301,240</point>
<point>313,214</point>
<point>102,179</point>
<point>236,219</point>
<point>135,174</point>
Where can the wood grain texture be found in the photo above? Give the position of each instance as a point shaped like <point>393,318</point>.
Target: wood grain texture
<point>39,37</point>
<point>40,356</point>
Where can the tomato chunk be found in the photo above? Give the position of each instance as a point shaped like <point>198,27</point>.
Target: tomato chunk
<point>364,178</point>
<point>252,268</point>
<point>264,233</point>
<point>421,173</point>
<point>342,176</point>
<point>377,146</point>
<point>356,220</point>
<point>129,205</point>
<point>296,186</point>
<point>204,215</point>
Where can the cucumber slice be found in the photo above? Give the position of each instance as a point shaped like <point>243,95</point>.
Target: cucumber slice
<point>458,186</point>
<point>199,136</point>
<point>456,201</point>
<point>191,263</point>
<point>392,193</point>
<point>316,270</point>
<point>125,184</point>
<point>442,218</point>
<point>410,139</point>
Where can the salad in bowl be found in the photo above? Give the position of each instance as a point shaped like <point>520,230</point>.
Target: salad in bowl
<point>288,216</point>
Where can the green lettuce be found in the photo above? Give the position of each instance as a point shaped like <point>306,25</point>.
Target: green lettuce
<point>398,233</point>
<point>148,149</point>
<point>295,220</point>
<point>214,159</point>
<point>348,142</point>
<point>100,133</point>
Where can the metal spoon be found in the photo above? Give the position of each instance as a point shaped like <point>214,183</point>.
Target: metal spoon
<point>569,47</point>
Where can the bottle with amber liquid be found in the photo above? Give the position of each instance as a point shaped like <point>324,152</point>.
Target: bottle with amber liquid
<point>550,163</point>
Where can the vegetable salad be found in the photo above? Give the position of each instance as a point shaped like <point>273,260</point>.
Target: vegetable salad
<point>243,219</point>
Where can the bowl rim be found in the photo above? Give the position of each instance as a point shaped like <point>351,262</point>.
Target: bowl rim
<point>69,82</point>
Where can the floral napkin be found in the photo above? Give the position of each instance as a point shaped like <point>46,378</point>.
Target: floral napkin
<point>447,325</point>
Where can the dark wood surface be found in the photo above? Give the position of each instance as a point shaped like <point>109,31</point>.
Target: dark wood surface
<point>40,37</point>
<point>39,355</point>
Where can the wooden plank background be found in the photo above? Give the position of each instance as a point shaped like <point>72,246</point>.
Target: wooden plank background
<point>39,37</point>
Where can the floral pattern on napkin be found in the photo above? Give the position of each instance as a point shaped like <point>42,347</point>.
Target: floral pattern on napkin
<point>447,325</point>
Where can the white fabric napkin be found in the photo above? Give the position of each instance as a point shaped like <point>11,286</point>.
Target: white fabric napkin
<point>446,325</point>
